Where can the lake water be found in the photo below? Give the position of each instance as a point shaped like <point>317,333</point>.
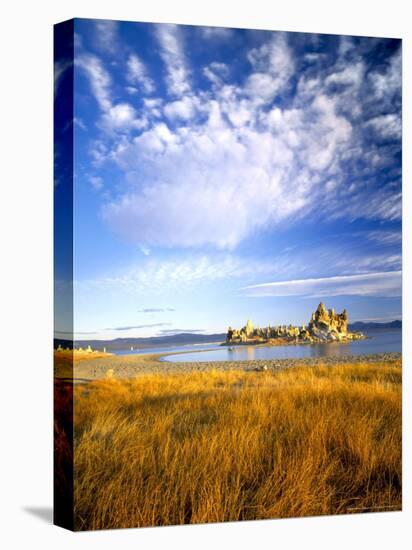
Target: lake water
<point>166,349</point>
<point>378,341</point>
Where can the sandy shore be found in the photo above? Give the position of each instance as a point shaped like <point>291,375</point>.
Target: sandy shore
<point>126,366</point>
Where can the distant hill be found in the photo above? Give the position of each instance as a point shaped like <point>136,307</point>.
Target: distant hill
<point>364,326</point>
<point>185,338</point>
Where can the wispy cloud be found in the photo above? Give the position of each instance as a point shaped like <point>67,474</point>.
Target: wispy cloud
<point>156,310</point>
<point>106,35</point>
<point>216,72</point>
<point>383,204</point>
<point>99,79</point>
<point>135,327</point>
<point>219,33</point>
<point>115,116</point>
<point>68,333</point>
<point>171,50</point>
<point>387,83</point>
<point>385,237</point>
<point>159,275</point>
<point>137,74</point>
<point>152,274</point>
<point>369,284</point>
<point>273,65</point>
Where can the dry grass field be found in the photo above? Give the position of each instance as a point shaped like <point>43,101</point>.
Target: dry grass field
<point>226,446</point>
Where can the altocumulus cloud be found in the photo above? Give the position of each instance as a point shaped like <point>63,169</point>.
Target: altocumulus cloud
<point>214,165</point>
<point>368,284</point>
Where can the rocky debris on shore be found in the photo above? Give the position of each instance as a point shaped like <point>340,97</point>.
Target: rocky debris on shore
<point>324,326</point>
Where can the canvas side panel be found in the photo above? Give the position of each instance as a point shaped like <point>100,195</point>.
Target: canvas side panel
<point>63,274</point>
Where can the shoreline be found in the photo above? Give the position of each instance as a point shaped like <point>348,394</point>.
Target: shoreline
<point>280,342</point>
<point>130,366</point>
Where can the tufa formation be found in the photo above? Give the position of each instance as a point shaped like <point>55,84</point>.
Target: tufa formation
<point>324,326</point>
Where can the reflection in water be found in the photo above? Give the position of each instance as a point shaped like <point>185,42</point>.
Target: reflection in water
<point>378,341</point>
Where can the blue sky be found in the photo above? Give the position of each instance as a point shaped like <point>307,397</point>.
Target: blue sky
<point>223,174</point>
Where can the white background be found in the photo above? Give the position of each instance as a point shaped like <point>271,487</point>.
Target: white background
<point>26,272</point>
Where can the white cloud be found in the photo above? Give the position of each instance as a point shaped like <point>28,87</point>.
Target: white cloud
<point>346,45</point>
<point>385,262</point>
<point>152,274</point>
<point>115,117</point>
<point>219,181</point>
<point>156,309</point>
<point>127,331</point>
<point>388,284</point>
<point>132,90</point>
<point>171,50</point>
<point>349,75</point>
<point>137,74</point>
<point>389,81</point>
<point>99,79</point>
<point>214,167</point>
<point>219,33</point>
<point>331,130</point>
<point>313,57</point>
<point>183,109</point>
<point>138,327</point>
<point>216,72</point>
<point>263,86</point>
<point>386,126</point>
<point>122,116</point>
<point>207,185</point>
<point>99,152</point>
<point>383,204</point>
<point>153,107</point>
<point>106,35</point>
<point>385,237</point>
<point>273,65</point>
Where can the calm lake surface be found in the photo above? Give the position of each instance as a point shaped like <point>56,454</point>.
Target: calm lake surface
<point>166,349</point>
<point>378,341</point>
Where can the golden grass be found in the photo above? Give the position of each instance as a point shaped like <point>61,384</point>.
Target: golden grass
<point>226,446</point>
